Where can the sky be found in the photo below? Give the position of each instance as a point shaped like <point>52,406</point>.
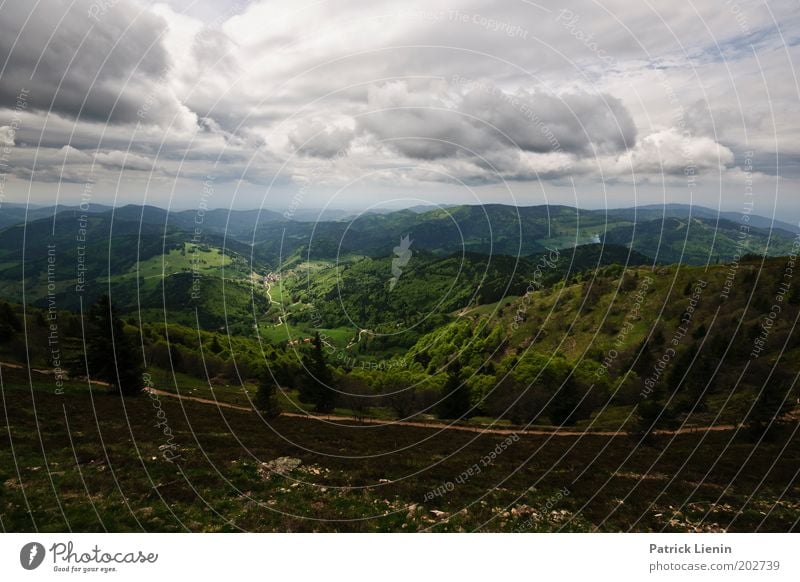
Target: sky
<point>372,104</point>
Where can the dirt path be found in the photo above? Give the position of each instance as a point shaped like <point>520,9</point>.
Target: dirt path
<point>430,425</point>
<point>268,287</point>
<point>358,339</point>
<point>444,426</point>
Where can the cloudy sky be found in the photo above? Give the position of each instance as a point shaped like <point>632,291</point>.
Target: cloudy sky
<point>355,103</point>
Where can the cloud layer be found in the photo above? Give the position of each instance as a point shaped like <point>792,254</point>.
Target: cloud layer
<point>272,98</point>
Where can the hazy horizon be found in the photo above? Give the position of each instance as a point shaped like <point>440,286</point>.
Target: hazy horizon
<point>354,210</point>
<point>256,105</point>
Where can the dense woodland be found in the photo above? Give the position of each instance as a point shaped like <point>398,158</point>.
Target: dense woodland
<point>659,369</point>
<point>575,349</point>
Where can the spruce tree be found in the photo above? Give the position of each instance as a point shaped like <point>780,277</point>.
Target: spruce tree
<point>563,408</point>
<point>772,402</point>
<point>317,386</point>
<point>10,324</point>
<point>215,345</point>
<point>110,355</point>
<point>642,359</point>
<point>455,401</point>
<point>267,396</point>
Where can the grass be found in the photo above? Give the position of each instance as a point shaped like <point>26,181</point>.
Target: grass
<point>98,467</point>
<point>193,257</point>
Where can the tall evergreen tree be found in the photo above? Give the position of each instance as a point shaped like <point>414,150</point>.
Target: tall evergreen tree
<point>772,402</point>
<point>563,408</point>
<point>267,396</point>
<point>642,359</point>
<point>215,346</point>
<point>10,324</point>
<point>653,413</point>
<point>110,354</point>
<point>317,386</point>
<point>455,401</point>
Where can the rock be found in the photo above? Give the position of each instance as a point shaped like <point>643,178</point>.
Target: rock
<point>279,466</point>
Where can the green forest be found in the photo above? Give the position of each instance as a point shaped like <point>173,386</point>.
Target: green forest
<point>603,342</point>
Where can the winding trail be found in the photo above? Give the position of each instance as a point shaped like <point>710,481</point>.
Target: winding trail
<point>358,339</point>
<point>443,426</point>
<point>434,425</point>
<point>268,288</point>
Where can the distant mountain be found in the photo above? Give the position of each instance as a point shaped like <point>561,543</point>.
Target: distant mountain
<point>657,211</point>
<point>697,240</point>
<point>491,229</point>
<point>490,250</point>
<point>522,231</point>
<point>11,214</point>
<point>141,263</point>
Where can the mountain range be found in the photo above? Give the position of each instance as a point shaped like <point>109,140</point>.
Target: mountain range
<point>151,258</point>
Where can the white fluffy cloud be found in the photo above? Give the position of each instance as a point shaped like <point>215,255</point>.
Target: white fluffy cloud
<point>272,95</point>
<point>7,135</point>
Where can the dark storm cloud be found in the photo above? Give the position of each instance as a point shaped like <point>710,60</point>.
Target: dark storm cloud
<point>786,165</point>
<point>64,56</point>
<point>578,123</point>
<point>258,92</point>
<point>319,141</point>
<point>486,119</point>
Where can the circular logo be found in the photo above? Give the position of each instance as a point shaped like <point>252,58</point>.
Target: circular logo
<point>31,555</point>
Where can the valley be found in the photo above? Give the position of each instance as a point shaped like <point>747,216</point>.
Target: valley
<point>640,343</point>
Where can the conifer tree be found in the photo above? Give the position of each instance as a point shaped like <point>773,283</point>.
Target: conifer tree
<point>317,386</point>
<point>110,355</point>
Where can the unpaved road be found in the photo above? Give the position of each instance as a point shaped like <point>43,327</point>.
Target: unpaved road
<point>444,426</point>
<point>429,425</point>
